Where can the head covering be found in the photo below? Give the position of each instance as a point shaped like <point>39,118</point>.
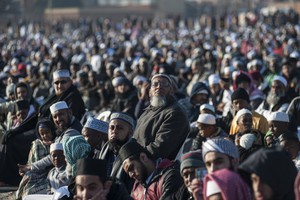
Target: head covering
<point>278,116</point>
<point>129,149</point>
<point>124,117</point>
<point>241,112</point>
<point>60,105</point>
<point>199,88</point>
<point>75,147</point>
<point>280,79</point>
<point>162,75</point>
<point>61,74</point>
<point>97,125</point>
<point>120,80</point>
<point>240,93</point>
<point>212,188</point>
<point>22,105</point>
<point>61,192</point>
<point>288,136</point>
<point>95,167</point>
<point>137,79</point>
<point>214,79</point>
<point>207,119</point>
<point>56,146</point>
<point>104,116</point>
<point>192,159</point>
<point>247,140</point>
<point>45,123</point>
<point>207,106</point>
<point>226,182</point>
<point>220,145</point>
<point>242,77</point>
<point>275,168</point>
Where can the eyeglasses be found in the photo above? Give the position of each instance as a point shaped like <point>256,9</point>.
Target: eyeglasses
<point>60,82</point>
<point>161,84</point>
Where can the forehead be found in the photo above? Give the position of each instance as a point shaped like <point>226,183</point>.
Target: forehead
<point>59,112</point>
<point>87,179</point>
<point>61,79</point>
<point>127,162</point>
<point>118,122</point>
<point>89,130</point>
<point>57,152</point>
<point>210,156</point>
<point>246,116</point>
<point>160,79</point>
<point>188,170</point>
<point>278,84</point>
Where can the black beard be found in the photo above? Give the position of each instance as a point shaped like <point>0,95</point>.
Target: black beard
<point>115,145</point>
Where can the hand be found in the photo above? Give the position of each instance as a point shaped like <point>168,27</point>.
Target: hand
<point>23,169</point>
<point>197,189</point>
<point>144,93</point>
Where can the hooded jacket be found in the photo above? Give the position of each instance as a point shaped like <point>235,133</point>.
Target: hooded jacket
<point>275,168</point>
<point>166,179</point>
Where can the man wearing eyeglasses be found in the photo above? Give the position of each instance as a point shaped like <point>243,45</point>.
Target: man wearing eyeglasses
<point>163,126</point>
<point>64,91</point>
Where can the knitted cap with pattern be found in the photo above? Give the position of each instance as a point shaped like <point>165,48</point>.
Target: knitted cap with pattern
<point>192,159</point>
<point>220,145</point>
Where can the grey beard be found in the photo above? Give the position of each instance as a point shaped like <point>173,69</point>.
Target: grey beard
<point>158,101</point>
<point>273,99</point>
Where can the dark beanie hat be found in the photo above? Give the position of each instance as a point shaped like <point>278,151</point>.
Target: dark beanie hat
<point>191,159</point>
<point>22,105</point>
<point>240,93</point>
<point>241,78</point>
<point>96,167</point>
<point>131,148</point>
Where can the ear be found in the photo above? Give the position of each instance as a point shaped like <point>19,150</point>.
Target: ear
<point>143,157</point>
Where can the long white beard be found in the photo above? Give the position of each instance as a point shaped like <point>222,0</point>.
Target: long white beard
<point>273,99</point>
<point>158,101</point>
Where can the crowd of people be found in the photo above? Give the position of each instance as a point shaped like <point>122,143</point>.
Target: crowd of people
<point>151,109</point>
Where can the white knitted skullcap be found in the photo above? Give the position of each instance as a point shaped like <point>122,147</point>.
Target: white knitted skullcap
<point>247,140</point>
<point>56,146</point>
<point>281,79</point>
<point>208,107</point>
<point>97,125</point>
<point>61,74</point>
<point>58,106</point>
<point>206,119</point>
<point>278,116</point>
<point>242,112</point>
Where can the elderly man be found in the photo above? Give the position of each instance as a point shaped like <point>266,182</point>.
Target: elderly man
<point>220,153</point>
<point>154,178</point>
<point>120,131</point>
<point>66,126</point>
<point>163,126</point>
<point>278,123</point>
<point>93,183</point>
<point>64,91</point>
<point>95,133</point>
<point>277,99</point>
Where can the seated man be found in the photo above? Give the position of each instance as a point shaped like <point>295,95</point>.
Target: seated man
<point>154,179</point>
<point>278,123</point>
<point>92,181</point>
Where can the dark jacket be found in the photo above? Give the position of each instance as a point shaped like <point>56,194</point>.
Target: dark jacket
<point>71,96</point>
<point>162,130</point>
<point>118,192</point>
<point>16,147</point>
<point>181,194</point>
<point>275,168</point>
<point>114,167</point>
<point>166,179</point>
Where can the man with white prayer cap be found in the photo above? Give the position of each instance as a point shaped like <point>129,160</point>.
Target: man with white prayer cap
<point>64,91</point>
<point>120,131</point>
<point>277,99</point>
<point>95,132</point>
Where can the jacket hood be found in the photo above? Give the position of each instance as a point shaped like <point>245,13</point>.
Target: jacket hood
<point>47,123</point>
<point>197,87</point>
<point>274,167</point>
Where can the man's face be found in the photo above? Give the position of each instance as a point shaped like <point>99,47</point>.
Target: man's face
<point>239,104</point>
<point>215,88</point>
<point>245,122</point>
<point>122,88</point>
<point>189,174</point>
<point>62,119</point>
<point>160,86</point>
<point>135,169</point>
<point>46,134</point>
<point>205,130</point>
<point>277,127</point>
<point>91,136</point>
<point>278,89</point>
<point>119,130</point>
<point>215,161</point>
<point>22,93</point>
<point>61,85</point>
<point>199,99</point>
<point>245,85</point>
<point>58,158</point>
<point>87,186</point>
<point>22,114</point>
<point>261,190</point>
